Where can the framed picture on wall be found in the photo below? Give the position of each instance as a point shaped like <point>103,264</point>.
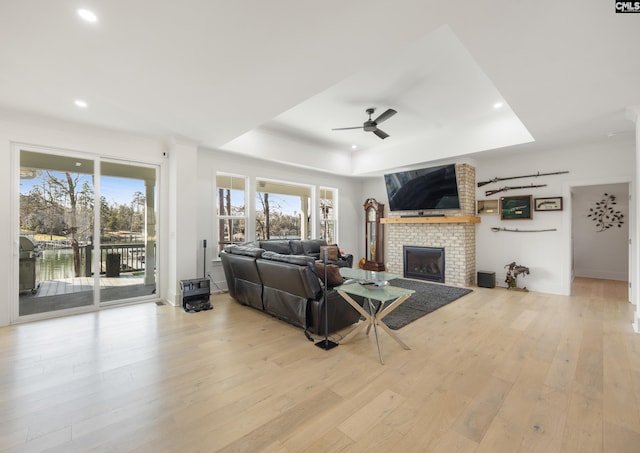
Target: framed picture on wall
<point>548,204</point>
<point>517,207</point>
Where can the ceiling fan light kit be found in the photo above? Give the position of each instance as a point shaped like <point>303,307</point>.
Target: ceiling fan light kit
<point>372,125</point>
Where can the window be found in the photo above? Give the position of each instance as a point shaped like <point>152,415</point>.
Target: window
<point>231,209</point>
<point>328,227</point>
<point>282,210</point>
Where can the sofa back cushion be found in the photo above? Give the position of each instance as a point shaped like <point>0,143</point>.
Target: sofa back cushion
<point>294,274</point>
<point>296,247</point>
<point>246,250</point>
<point>300,260</point>
<point>278,246</point>
<point>311,247</point>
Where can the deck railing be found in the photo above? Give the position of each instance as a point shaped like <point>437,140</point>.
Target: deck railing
<point>115,258</point>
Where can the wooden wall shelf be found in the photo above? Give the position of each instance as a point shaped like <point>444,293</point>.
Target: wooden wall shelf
<point>447,219</point>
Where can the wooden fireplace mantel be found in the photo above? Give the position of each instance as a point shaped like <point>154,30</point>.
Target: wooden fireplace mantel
<point>446,219</point>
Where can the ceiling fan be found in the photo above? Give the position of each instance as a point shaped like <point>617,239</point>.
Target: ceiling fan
<point>372,125</point>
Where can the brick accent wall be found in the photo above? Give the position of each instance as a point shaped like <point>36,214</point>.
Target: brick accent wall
<point>466,175</point>
<point>457,239</point>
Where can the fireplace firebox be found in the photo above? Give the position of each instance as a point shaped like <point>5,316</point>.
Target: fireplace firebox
<point>424,263</point>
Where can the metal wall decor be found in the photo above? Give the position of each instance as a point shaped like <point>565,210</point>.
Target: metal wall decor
<point>605,215</point>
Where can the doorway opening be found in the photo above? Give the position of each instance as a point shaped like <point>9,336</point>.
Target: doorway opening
<point>600,240</point>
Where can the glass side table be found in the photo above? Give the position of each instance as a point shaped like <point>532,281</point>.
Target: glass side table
<point>388,297</point>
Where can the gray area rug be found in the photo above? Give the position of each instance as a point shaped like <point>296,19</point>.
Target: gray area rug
<point>428,297</point>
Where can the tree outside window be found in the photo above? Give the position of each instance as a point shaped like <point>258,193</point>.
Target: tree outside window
<point>282,211</point>
<point>230,209</point>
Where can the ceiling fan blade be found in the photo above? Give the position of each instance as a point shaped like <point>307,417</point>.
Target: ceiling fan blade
<point>381,134</point>
<point>385,116</point>
<point>345,128</point>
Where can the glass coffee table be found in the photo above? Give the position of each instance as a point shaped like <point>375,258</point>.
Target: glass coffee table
<point>380,299</point>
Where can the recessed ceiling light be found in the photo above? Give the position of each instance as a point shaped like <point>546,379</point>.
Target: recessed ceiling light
<point>87,15</point>
<point>497,105</point>
<point>80,103</point>
<point>78,164</point>
<point>354,146</point>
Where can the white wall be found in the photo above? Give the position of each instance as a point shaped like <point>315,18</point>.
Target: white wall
<point>600,254</point>
<point>547,254</point>
<point>60,135</point>
<point>350,200</point>
<point>183,211</point>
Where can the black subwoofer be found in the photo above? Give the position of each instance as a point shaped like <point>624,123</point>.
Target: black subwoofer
<point>486,279</point>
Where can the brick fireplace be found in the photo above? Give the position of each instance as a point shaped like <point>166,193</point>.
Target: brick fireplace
<point>455,232</point>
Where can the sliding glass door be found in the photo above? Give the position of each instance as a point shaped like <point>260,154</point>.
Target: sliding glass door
<point>72,255</point>
<point>56,227</point>
<point>127,231</point>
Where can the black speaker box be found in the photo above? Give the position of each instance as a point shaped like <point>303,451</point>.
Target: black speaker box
<point>486,279</point>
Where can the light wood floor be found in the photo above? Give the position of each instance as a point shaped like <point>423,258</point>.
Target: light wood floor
<point>495,371</point>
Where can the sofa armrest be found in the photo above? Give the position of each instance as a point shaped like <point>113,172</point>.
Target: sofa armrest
<point>345,260</point>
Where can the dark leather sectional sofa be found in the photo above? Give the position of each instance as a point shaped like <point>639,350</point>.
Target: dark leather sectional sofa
<point>285,286</point>
<point>307,247</point>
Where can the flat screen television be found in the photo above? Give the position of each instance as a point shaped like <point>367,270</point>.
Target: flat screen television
<point>425,188</point>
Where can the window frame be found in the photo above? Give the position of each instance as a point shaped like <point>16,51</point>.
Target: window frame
<point>333,218</point>
<point>220,243</point>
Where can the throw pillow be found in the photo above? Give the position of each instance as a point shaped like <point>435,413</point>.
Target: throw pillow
<point>332,252</point>
<point>333,274</point>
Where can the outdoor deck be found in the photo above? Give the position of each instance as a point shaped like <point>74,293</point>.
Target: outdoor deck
<point>60,294</point>
<point>84,284</point>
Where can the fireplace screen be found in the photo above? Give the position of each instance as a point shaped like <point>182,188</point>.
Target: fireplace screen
<point>425,263</point>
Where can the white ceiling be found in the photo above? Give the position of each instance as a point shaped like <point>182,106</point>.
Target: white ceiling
<point>270,79</point>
